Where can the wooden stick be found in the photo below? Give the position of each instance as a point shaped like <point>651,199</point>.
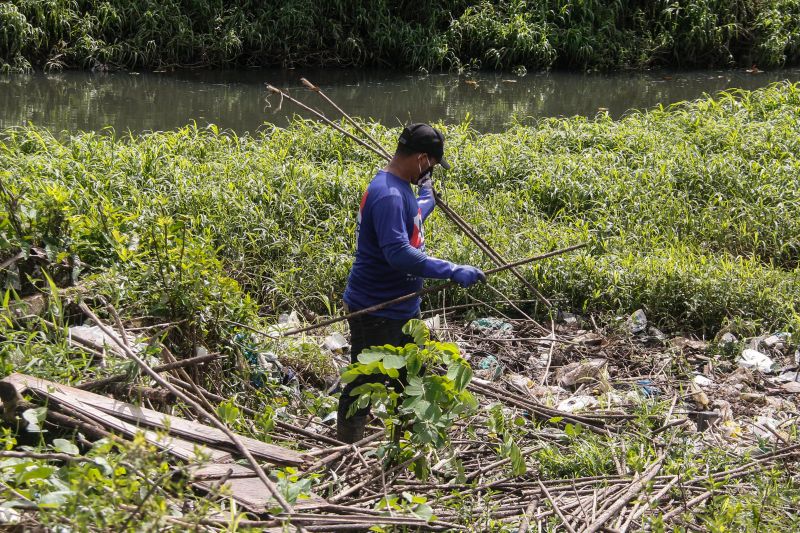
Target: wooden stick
<point>555,507</point>
<point>200,359</point>
<point>271,487</point>
<point>422,292</point>
<point>317,90</point>
<point>634,489</point>
<point>381,151</point>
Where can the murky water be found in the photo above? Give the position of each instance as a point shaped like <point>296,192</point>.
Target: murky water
<point>238,100</point>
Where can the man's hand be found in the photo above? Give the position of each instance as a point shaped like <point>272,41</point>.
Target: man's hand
<point>466,275</point>
<point>426,181</point>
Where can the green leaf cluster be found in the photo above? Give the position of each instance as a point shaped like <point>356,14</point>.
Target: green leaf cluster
<point>425,406</point>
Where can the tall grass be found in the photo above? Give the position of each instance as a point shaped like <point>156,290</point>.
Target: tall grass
<point>691,211</point>
<point>498,34</point>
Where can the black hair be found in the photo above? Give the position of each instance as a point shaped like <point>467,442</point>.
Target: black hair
<point>404,150</point>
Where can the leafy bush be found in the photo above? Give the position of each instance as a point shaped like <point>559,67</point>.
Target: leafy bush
<point>428,403</point>
<point>498,34</point>
<point>690,211</point>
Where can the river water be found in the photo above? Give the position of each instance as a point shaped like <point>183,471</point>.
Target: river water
<point>237,100</point>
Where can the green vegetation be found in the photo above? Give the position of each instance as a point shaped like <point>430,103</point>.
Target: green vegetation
<point>691,212</point>
<point>433,34</point>
<point>421,412</point>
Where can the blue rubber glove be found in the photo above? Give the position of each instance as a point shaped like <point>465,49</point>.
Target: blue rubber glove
<point>466,275</point>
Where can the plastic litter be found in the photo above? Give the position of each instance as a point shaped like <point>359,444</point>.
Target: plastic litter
<point>702,381</point>
<point>491,323</point>
<point>766,423</point>
<point>656,333</point>
<point>96,336</point>
<point>683,343</point>
<point>777,341</point>
<point>577,403</point>
<point>756,360</point>
<point>648,389</point>
<point>330,419</point>
<point>335,342</point>
<point>637,322</point>
<point>264,365</point>
<point>433,323</point>
<point>489,368</point>
<point>790,375</point>
<point>575,373</point>
<point>792,387</point>
<point>590,339</point>
<point>568,318</point>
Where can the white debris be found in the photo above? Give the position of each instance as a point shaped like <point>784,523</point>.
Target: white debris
<point>575,373</point>
<point>754,359</point>
<point>335,342</point>
<point>637,322</point>
<point>703,381</point>
<point>577,403</point>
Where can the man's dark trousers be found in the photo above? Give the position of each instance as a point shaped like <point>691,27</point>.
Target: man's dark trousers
<point>365,331</point>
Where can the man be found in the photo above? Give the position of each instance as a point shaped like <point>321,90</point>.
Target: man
<point>390,256</point>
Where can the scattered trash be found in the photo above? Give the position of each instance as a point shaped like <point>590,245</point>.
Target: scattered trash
<point>656,333</point>
<point>584,372</point>
<point>792,387</point>
<point>682,343</point>
<point>335,342</point>
<point>522,382</point>
<point>567,318</point>
<point>330,419</point>
<point>790,375</point>
<point>577,403</point>
<point>264,365</point>
<point>433,323</point>
<point>763,425</point>
<point>589,339</point>
<point>648,389</point>
<point>489,368</point>
<point>754,359</point>
<point>637,322</point>
<point>9,515</point>
<point>728,338</point>
<point>702,381</point>
<point>754,398</point>
<point>700,398</point>
<point>777,341</point>
<point>491,323</point>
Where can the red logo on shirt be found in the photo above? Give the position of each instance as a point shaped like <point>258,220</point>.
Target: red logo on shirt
<point>358,218</point>
<point>417,237</point>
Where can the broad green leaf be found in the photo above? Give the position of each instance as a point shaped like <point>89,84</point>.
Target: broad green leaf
<point>370,356</point>
<point>415,387</point>
<point>394,361</point>
<point>65,446</point>
<point>39,472</point>
<point>418,330</point>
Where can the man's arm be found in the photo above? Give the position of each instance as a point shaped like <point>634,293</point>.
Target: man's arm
<point>389,221</point>
<point>426,200</point>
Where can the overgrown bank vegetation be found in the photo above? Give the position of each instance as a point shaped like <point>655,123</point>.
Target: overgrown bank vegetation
<point>496,34</point>
<point>195,236</point>
<point>691,212</point>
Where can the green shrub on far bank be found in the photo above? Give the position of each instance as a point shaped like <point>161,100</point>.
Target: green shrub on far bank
<point>434,34</point>
<point>691,212</point>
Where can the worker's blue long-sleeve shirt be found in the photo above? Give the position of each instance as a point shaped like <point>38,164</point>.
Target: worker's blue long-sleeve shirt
<point>390,248</point>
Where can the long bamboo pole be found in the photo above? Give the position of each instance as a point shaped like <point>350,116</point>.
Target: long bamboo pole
<point>446,209</point>
<point>422,292</point>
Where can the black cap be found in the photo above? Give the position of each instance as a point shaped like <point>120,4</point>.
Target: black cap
<point>426,139</point>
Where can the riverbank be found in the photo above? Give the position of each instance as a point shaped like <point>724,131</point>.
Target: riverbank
<point>689,212</point>
<point>452,34</point>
